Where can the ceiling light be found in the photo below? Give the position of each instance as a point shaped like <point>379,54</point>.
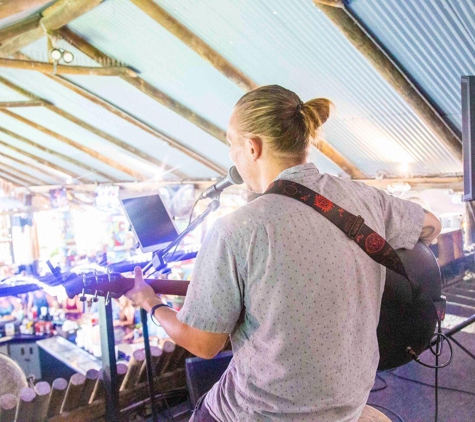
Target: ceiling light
<point>68,56</point>
<point>55,54</point>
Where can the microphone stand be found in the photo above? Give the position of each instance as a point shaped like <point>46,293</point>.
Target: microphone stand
<point>158,256</point>
<point>159,262</point>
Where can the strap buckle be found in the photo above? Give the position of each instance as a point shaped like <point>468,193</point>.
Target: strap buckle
<point>355,227</point>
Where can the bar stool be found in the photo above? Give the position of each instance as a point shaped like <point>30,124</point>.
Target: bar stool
<point>370,414</point>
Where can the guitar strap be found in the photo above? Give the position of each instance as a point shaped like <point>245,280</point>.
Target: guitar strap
<point>353,226</point>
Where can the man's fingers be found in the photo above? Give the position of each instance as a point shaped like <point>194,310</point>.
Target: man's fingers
<point>138,276</point>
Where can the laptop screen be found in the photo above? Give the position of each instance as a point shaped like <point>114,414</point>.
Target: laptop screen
<point>150,220</point>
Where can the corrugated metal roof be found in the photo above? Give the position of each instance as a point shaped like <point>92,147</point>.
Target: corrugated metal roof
<point>434,41</point>
<point>273,41</point>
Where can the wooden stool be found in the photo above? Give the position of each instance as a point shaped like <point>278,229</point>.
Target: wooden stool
<point>370,414</point>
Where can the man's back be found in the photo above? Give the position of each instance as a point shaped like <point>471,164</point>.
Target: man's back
<point>305,347</point>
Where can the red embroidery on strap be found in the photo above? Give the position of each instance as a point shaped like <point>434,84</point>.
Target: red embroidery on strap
<point>290,190</point>
<point>323,203</point>
<point>305,198</point>
<point>341,211</point>
<point>374,243</point>
<point>359,237</point>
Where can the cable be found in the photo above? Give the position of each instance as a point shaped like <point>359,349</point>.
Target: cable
<point>388,410</point>
<point>430,385</point>
<point>379,388</point>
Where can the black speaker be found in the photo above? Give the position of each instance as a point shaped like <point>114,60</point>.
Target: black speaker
<point>202,374</point>
<point>468,137</point>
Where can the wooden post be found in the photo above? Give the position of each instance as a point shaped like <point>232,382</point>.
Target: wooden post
<point>135,364</point>
<point>8,403</point>
<point>58,391</point>
<point>26,405</point>
<point>168,349</point>
<point>156,353</point>
<point>43,395</point>
<point>91,379</point>
<point>73,393</point>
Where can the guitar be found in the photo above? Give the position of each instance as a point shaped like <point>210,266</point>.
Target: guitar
<point>408,316</point>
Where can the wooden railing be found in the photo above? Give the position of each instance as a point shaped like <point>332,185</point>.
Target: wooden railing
<point>82,398</point>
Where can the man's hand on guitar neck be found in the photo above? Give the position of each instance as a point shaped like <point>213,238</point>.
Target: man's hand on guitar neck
<point>201,343</point>
<point>430,228</point>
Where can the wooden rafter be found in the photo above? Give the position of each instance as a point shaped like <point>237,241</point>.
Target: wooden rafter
<point>123,115</point>
<point>326,149</point>
<point>455,183</point>
<point>67,70</point>
<point>220,63</point>
<point>14,104</point>
<point>95,54</point>
<point>89,151</point>
<point>180,31</point>
<point>393,74</point>
<point>25,176</point>
<point>14,180</point>
<point>31,29</point>
<point>38,168</point>
<point>13,7</point>
<point>51,152</point>
<point>84,125</point>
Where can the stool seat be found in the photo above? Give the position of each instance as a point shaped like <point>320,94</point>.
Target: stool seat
<point>370,414</point>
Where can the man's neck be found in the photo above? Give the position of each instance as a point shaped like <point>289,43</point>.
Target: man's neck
<point>270,171</point>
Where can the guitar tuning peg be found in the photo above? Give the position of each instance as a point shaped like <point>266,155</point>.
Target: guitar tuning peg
<point>108,298</point>
<point>82,296</point>
<point>95,298</point>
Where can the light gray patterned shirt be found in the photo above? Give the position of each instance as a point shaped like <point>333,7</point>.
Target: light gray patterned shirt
<point>300,300</point>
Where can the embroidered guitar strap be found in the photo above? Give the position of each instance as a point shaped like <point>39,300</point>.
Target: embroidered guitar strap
<point>353,226</point>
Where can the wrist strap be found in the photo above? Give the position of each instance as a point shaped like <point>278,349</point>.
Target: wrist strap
<point>353,226</point>
<point>152,311</point>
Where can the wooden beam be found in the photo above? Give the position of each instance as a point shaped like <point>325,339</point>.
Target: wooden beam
<point>40,169</point>
<point>14,181</point>
<point>16,177</point>
<point>93,153</point>
<point>67,70</point>
<point>52,18</point>
<point>118,112</point>
<point>174,143</point>
<point>25,176</point>
<point>123,115</point>
<point>84,125</point>
<point>51,152</point>
<point>326,149</point>
<point>12,104</point>
<point>392,73</point>
<point>12,7</point>
<point>333,3</point>
<point>418,183</point>
<point>162,17</point>
<point>148,89</point>
<point>19,28</point>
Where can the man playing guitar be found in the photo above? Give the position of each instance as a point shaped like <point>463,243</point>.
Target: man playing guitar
<point>298,298</point>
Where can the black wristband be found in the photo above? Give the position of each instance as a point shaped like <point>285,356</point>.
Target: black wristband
<point>152,311</point>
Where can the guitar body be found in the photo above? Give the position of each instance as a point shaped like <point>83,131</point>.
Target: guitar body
<point>408,316</point>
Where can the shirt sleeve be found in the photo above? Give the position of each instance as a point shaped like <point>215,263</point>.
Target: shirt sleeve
<point>403,221</point>
<point>214,298</point>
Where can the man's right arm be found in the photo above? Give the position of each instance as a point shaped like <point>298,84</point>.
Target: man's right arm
<point>430,228</point>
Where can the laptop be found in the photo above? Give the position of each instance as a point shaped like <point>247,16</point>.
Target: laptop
<point>151,221</point>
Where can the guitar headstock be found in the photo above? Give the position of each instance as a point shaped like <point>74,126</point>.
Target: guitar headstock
<point>107,285</point>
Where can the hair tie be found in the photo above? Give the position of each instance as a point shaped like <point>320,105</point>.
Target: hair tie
<point>299,106</point>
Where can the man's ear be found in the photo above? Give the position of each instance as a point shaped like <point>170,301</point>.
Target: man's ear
<point>255,144</point>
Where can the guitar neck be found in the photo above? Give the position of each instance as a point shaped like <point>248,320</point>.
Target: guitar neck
<point>164,287</point>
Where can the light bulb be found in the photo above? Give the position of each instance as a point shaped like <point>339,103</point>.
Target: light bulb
<point>68,56</point>
<point>55,54</point>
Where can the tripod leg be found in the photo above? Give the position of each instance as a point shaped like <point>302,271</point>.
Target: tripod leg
<point>463,348</point>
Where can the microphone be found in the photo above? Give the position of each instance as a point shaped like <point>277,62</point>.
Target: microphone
<point>232,178</point>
